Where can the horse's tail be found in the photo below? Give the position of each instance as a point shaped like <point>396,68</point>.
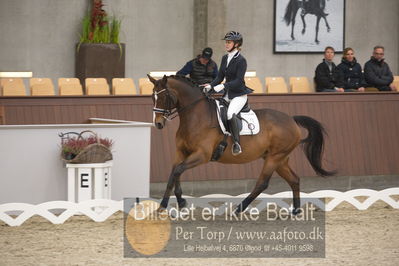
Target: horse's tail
<point>289,12</point>
<point>314,143</point>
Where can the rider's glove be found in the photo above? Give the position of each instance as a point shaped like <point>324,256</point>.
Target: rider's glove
<point>207,88</point>
<point>218,88</point>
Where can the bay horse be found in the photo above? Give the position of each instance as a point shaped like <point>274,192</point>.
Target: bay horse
<point>313,7</point>
<point>198,136</point>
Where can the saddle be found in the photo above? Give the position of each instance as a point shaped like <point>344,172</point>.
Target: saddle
<point>248,124</point>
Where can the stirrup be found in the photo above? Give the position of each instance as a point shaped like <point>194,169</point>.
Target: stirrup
<point>236,149</point>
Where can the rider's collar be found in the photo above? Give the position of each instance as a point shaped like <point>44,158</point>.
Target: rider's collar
<point>233,54</point>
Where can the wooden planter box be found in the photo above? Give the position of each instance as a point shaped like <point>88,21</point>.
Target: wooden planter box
<point>100,60</point>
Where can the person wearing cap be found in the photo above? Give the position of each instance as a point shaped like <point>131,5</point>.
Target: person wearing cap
<point>201,69</point>
<point>233,68</point>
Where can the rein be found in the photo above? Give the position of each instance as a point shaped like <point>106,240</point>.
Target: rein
<point>172,110</point>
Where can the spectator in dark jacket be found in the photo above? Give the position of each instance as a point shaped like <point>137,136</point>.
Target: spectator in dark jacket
<point>377,72</point>
<point>201,69</point>
<point>328,78</point>
<point>351,71</point>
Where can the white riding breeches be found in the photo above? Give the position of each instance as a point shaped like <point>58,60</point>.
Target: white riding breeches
<point>236,104</point>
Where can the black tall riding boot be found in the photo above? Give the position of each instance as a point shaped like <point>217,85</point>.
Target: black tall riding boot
<point>235,132</point>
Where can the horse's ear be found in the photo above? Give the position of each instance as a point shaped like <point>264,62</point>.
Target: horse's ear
<point>151,79</point>
<point>164,80</point>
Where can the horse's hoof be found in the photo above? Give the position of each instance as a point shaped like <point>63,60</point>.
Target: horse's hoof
<point>328,30</point>
<point>161,209</point>
<point>182,203</point>
<point>238,210</point>
<point>303,32</point>
<point>296,211</point>
<point>317,42</point>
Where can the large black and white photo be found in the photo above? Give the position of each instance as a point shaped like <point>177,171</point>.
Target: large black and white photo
<point>308,25</point>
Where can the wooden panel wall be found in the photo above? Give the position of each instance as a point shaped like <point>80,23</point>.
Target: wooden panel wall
<point>2,120</point>
<point>363,129</point>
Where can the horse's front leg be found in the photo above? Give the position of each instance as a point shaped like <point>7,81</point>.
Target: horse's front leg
<point>317,29</point>
<point>178,193</point>
<point>191,161</point>
<point>304,23</point>
<point>292,28</point>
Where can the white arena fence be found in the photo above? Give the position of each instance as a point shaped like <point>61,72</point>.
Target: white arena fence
<point>100,210</point>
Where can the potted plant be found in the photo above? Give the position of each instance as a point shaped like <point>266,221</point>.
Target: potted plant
<point>85,149</point>
<point>99,53</point>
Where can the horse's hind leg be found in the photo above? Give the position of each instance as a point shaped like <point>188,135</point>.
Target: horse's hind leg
<point>292,179</point>
<point>261,184</point>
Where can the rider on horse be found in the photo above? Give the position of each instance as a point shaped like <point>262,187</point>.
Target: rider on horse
<point>233,68</point>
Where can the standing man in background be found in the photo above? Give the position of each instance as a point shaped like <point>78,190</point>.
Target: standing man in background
<point>202,69</point>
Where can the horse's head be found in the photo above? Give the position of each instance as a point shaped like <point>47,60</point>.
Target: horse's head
<point>164,100</point>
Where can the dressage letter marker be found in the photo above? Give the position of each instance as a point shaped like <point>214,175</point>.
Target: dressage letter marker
<point>85,181</point>
<point>89,181</point>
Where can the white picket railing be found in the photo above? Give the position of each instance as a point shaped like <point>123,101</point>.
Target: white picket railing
<point>109,207</point>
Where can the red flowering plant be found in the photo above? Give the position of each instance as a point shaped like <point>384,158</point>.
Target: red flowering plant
<point>72,146</point>
<point>98,27</point>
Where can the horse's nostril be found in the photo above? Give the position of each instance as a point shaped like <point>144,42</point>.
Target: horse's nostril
<point>159,125</point>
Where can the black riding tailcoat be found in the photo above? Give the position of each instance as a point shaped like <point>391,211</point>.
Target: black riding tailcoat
<point>234,74</point>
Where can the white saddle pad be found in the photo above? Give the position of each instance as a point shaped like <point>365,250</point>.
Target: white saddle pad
<point>250,122</point>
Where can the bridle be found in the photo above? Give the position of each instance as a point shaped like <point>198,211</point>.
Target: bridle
<point>165,112</point>
<point>169,110</point>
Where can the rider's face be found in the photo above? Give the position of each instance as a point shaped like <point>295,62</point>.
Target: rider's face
<point>229,45</point>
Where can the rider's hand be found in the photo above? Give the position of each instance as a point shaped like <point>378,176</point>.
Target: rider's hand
<point>219,87</point>
<point>207,88</point>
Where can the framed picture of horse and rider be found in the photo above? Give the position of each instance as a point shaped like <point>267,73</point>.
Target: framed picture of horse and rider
<point>308,26</point>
